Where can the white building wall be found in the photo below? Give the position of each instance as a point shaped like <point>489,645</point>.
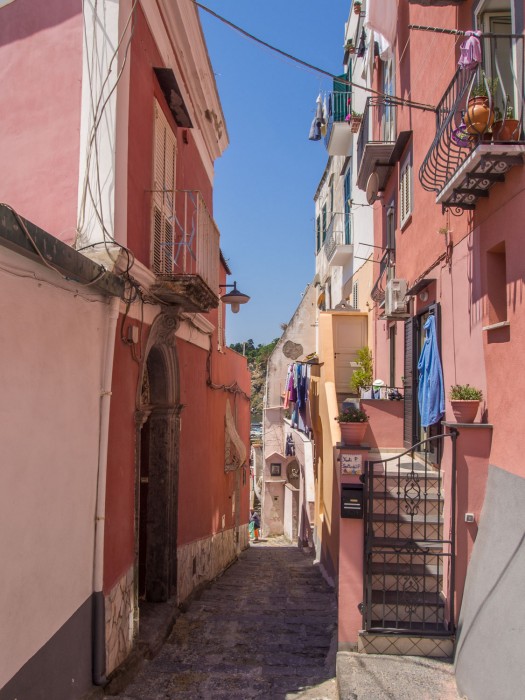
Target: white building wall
<point>52,339</point>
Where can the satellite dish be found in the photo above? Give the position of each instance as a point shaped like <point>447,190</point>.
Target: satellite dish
<point>372,188</point>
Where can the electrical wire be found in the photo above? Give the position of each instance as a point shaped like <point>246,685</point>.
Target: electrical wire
<point>20,221</point>
<point>392,98</point>
<point>98,108</point>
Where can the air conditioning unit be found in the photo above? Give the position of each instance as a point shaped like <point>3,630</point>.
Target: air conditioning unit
<point>396,303</point>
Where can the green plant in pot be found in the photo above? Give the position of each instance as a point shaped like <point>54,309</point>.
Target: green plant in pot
<point>353,422</point>
<point>479,115</point>
<point>465,400</point>
<point>507,129</point>
<point>364,373</point>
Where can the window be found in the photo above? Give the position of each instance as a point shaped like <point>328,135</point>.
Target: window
<point>318,233</point>
<point>324,223</point>
<point>497,284</point>
<point>163,194</point>
<point>405,191</point>
<point>355,295</point>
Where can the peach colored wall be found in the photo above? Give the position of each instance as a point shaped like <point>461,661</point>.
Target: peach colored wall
<point>51,373</point>
<point>40,82</point>
<point>385,423</point>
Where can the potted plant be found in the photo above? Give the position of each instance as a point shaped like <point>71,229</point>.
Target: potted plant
<point>465,400</point>
<point>357,7</point>
<point>364,374</point>
<point>479,116</point>
<point>355,121</point>
<point>349,46</point>
<point>507,129</point>
<point>353,422</point>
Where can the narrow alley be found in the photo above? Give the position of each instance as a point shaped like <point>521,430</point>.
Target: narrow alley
<point>264,629</point>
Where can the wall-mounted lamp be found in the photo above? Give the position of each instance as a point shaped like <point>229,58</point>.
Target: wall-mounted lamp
<point>235,297</point>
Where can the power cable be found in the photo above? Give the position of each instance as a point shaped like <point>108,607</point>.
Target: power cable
<point>391,98</point>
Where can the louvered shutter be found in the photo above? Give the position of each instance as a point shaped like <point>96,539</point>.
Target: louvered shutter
<point>405,191</point>
<point>163,199</point>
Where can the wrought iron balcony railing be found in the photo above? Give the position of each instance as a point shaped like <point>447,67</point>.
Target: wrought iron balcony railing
<point>476,145</point>
<point>377,141</point>
<point>338,133</point>
<point>338,234</point>
<point>185,250</point>
<point>386,272</point>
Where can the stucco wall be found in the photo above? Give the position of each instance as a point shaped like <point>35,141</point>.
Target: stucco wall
<point>52,341</point>
<point>40,71</point>
<point>489,653</point>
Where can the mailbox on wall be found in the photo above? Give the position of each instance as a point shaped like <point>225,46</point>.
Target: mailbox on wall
<point>352,497</point>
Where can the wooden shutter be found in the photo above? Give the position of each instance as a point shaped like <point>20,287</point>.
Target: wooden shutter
<point>163,197</point>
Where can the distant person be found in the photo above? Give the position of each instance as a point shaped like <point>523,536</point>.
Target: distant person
<point>255,525</point>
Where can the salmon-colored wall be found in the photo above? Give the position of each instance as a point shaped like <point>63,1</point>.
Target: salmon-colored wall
<point>206,492</point>
<point>119,534</point>
<point>503,348</point>
<point>190,171</point>
<point>385,422</point>
<point>40,90</point>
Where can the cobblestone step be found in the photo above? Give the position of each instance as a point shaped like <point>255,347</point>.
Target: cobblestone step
<point>262,630</point>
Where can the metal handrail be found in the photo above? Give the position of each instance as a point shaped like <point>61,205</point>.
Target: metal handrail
<point>414,549</point>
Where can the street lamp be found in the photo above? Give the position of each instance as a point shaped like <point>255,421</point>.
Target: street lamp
<point>234,298</point>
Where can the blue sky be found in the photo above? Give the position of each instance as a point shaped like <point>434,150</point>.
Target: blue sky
<point>266,180</point>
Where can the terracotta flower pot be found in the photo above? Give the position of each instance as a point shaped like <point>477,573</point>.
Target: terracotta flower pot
<point>357,8</point>
<point>508,130</point>
<point>353,433</point>
<point>465,411</point>
<point>479,116</point>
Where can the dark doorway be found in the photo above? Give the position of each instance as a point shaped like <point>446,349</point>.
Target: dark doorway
<point>413,432</point>
<point>157,473</point>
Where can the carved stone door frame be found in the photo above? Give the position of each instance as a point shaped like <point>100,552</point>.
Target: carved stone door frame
<point>158,403</point>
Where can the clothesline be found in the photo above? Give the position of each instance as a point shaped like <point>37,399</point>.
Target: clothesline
<point>461,32</point>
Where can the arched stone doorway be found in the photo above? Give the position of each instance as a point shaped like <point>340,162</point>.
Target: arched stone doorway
<point>157,458</point>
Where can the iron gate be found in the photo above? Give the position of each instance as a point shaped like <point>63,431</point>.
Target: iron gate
<point>409,562</point>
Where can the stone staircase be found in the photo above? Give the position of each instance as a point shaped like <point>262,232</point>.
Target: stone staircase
<point>407,562</point>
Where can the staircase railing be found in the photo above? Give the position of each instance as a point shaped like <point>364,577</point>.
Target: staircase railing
<point>409,567</point>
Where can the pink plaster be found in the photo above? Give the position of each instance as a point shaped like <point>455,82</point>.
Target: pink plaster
<point>385,424</point>
<point>40,78</point>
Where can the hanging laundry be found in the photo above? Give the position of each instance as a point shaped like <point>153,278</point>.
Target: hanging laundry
<point>470,51</point>
<point>289,450</point>
<point>315,129</point>
<point>431,394</point>
<point>381,19</point>
<point>362,44</point>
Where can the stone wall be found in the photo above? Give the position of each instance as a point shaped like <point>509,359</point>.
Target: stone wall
<point>203,560</point>
<point>119,622</point>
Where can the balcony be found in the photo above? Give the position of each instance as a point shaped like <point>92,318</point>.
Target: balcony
<point>338,139</point>
<point>185,251</point>
<point>379,146</point>
<point>386,272</point>
<point>469,156</point>
<point>337,246</point>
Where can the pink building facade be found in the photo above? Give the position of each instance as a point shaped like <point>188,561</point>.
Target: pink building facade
<point>135,482</point>
<point>446,219</point>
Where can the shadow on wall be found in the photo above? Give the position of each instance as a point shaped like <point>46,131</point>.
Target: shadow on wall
<point>22,18</point>
<point>385,422</point>
<point>491,630</point>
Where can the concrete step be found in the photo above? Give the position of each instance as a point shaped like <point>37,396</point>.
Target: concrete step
<point>407,530</point>
<point>410,644</point>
